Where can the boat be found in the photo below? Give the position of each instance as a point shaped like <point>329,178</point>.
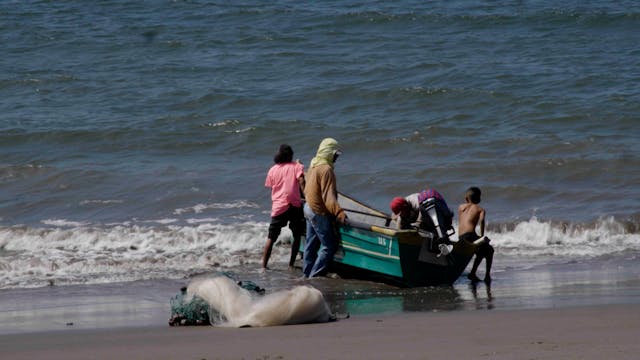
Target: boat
<point>372,247</point>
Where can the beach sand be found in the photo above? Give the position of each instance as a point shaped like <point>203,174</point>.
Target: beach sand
<point>596,332</point>
<point>574,311</point>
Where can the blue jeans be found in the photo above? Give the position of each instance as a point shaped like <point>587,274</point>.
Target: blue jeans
<point>321,243</point>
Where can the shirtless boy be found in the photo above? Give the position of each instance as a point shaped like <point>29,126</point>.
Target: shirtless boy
<point>470,214</point>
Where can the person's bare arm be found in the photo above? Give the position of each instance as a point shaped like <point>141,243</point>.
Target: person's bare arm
<point>395,218</point>
<point>481,220</point>
<point>301,183</point>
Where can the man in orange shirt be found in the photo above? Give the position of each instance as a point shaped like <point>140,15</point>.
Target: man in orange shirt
<point>321,210</point>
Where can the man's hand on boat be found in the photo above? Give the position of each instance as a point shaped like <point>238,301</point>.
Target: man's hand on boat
<point>342,217</point>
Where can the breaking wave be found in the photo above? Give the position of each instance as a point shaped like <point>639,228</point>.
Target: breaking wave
<point>72,253</point>
<point>67,252</point>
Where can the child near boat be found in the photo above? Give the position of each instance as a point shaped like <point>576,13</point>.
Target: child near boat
<point>470,214</point>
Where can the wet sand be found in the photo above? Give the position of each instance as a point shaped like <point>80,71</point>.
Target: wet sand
<point>600,332</point>
<point>573,311</point>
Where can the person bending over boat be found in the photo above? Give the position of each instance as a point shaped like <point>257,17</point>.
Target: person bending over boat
<point>286,180</point>
<point>470,214</point>
<point>407,212</point>
<point>321,210</point>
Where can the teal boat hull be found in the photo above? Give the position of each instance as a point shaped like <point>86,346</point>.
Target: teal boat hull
<point>371,247</point>
<point>396,256</point>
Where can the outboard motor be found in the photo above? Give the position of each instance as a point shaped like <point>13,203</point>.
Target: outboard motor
<point>438,220</point>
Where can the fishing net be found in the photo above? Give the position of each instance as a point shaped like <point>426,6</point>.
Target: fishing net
<point>193,310</point>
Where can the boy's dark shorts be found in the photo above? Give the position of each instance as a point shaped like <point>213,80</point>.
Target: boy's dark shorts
<point>294,216</point>
<point>470,237</point>
<point>484,250</point>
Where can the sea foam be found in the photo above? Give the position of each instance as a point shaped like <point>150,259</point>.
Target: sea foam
<point>66,252</point>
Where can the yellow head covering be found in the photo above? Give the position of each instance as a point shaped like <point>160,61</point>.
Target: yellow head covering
<point>327,149</point>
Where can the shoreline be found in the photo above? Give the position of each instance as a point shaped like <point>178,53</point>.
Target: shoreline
<point>592,332</point>
<point>146,303</point>
<point>588,310</point>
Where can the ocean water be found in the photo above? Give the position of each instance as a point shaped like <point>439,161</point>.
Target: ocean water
<point>135,136</point>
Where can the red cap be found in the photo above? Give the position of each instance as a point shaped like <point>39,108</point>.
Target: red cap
<point>397,204</point>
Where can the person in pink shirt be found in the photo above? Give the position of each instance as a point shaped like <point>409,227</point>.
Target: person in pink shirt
<point>286,180</point>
